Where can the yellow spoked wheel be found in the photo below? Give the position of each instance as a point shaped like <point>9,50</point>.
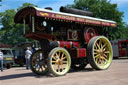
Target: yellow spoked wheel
<point>59,61</point>
<point>38,63</point>
<point>100,52</point>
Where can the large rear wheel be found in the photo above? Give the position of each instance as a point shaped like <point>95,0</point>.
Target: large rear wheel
<point>59,61</point>
<point>100,52</point>
<point>38,63</point>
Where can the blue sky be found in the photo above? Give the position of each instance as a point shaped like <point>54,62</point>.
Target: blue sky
<point>55,4</point>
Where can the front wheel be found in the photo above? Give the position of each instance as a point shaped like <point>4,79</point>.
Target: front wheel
<point>38,63</point>
<point>59,61</point>
<point>99,52</point>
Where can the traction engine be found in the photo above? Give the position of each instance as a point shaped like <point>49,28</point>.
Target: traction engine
<point>70,38</point>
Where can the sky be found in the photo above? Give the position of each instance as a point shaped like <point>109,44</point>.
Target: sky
<point>55,4</point>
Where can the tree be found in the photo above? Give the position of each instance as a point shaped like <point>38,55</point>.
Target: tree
<point>26,5</point>
<point>102,9</point>
<point>0,1</point>
<point>12,33</point>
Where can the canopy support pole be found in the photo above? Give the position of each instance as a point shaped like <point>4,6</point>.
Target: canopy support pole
<point>24,27</point>
<point>33,25</point>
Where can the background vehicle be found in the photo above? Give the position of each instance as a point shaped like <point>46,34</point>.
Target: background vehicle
<point>19,52</point>
<point>8,55</point>
<point>120,48</point>
<point>70,38</point>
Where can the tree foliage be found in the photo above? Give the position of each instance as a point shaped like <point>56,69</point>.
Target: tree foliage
<point>105,10</point>
<point>12,33</point>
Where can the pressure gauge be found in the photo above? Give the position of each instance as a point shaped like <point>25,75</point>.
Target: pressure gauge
<point>44,23</point>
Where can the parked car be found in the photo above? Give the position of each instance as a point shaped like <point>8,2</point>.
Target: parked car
<point>8,57</point>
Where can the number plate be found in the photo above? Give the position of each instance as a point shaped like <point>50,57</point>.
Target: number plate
<point>8,58</point>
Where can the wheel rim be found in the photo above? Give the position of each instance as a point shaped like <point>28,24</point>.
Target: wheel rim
<point>38,63</point>
<point>102,53</point>
<point>60,62</point>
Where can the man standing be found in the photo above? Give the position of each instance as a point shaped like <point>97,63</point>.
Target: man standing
<point>1,60</point>
<point>28,54</point>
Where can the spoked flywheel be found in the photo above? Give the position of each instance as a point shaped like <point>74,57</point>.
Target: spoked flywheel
<point>100,52</point>
<point>59,61</point>
<point>38,63</point>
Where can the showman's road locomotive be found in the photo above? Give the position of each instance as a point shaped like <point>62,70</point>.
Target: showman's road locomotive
<point>68,40</point>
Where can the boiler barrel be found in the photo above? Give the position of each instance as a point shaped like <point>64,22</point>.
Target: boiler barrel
<point>75,11</point>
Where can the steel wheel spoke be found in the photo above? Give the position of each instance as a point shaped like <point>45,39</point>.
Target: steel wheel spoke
<point>58,68</point>
<point>102,63</point>
<point>98,45</point>
<point>62,56</point>
<point>105,56</point>
<point>105,59</point>
<point>95,47</point>
<point>53,61</point>
<point>103,46</point>
<point>57,55</point>
<point>96,60</point>
<point>99,61</point>
<point>97,55</point>
<point>64,62</point>
<point>107,52</point>
<point>104,49</point>
<point>54,58</point>
<point>62,65</point>
<point>96,50</point>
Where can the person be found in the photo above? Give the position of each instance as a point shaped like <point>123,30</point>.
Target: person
<point>28,54</point>
<point>1,60</point>
<point>32,49</point>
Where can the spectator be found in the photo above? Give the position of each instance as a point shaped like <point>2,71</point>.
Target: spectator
<point>28,54</point>
<point>32,49</point>
<point>1,60</point>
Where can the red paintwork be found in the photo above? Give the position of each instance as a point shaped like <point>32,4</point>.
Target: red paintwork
<point>39,36</point>
<point>78,52</point>
<point>68,44</point>
<point>122,49</point>
<point>73,35</point>
<point>76,44</point>
<point>89,33</point>
<point>5,46</point>
<point>71,18</point>
<point>81,52</point>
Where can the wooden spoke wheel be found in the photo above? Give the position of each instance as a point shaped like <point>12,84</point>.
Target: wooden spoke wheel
<point>89,33</point>
<point>38,63</point>
<point>100,52</point>
<point>59,61</point>
<point>78,66</point>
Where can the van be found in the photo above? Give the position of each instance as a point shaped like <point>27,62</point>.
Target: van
<point>8,60</point>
